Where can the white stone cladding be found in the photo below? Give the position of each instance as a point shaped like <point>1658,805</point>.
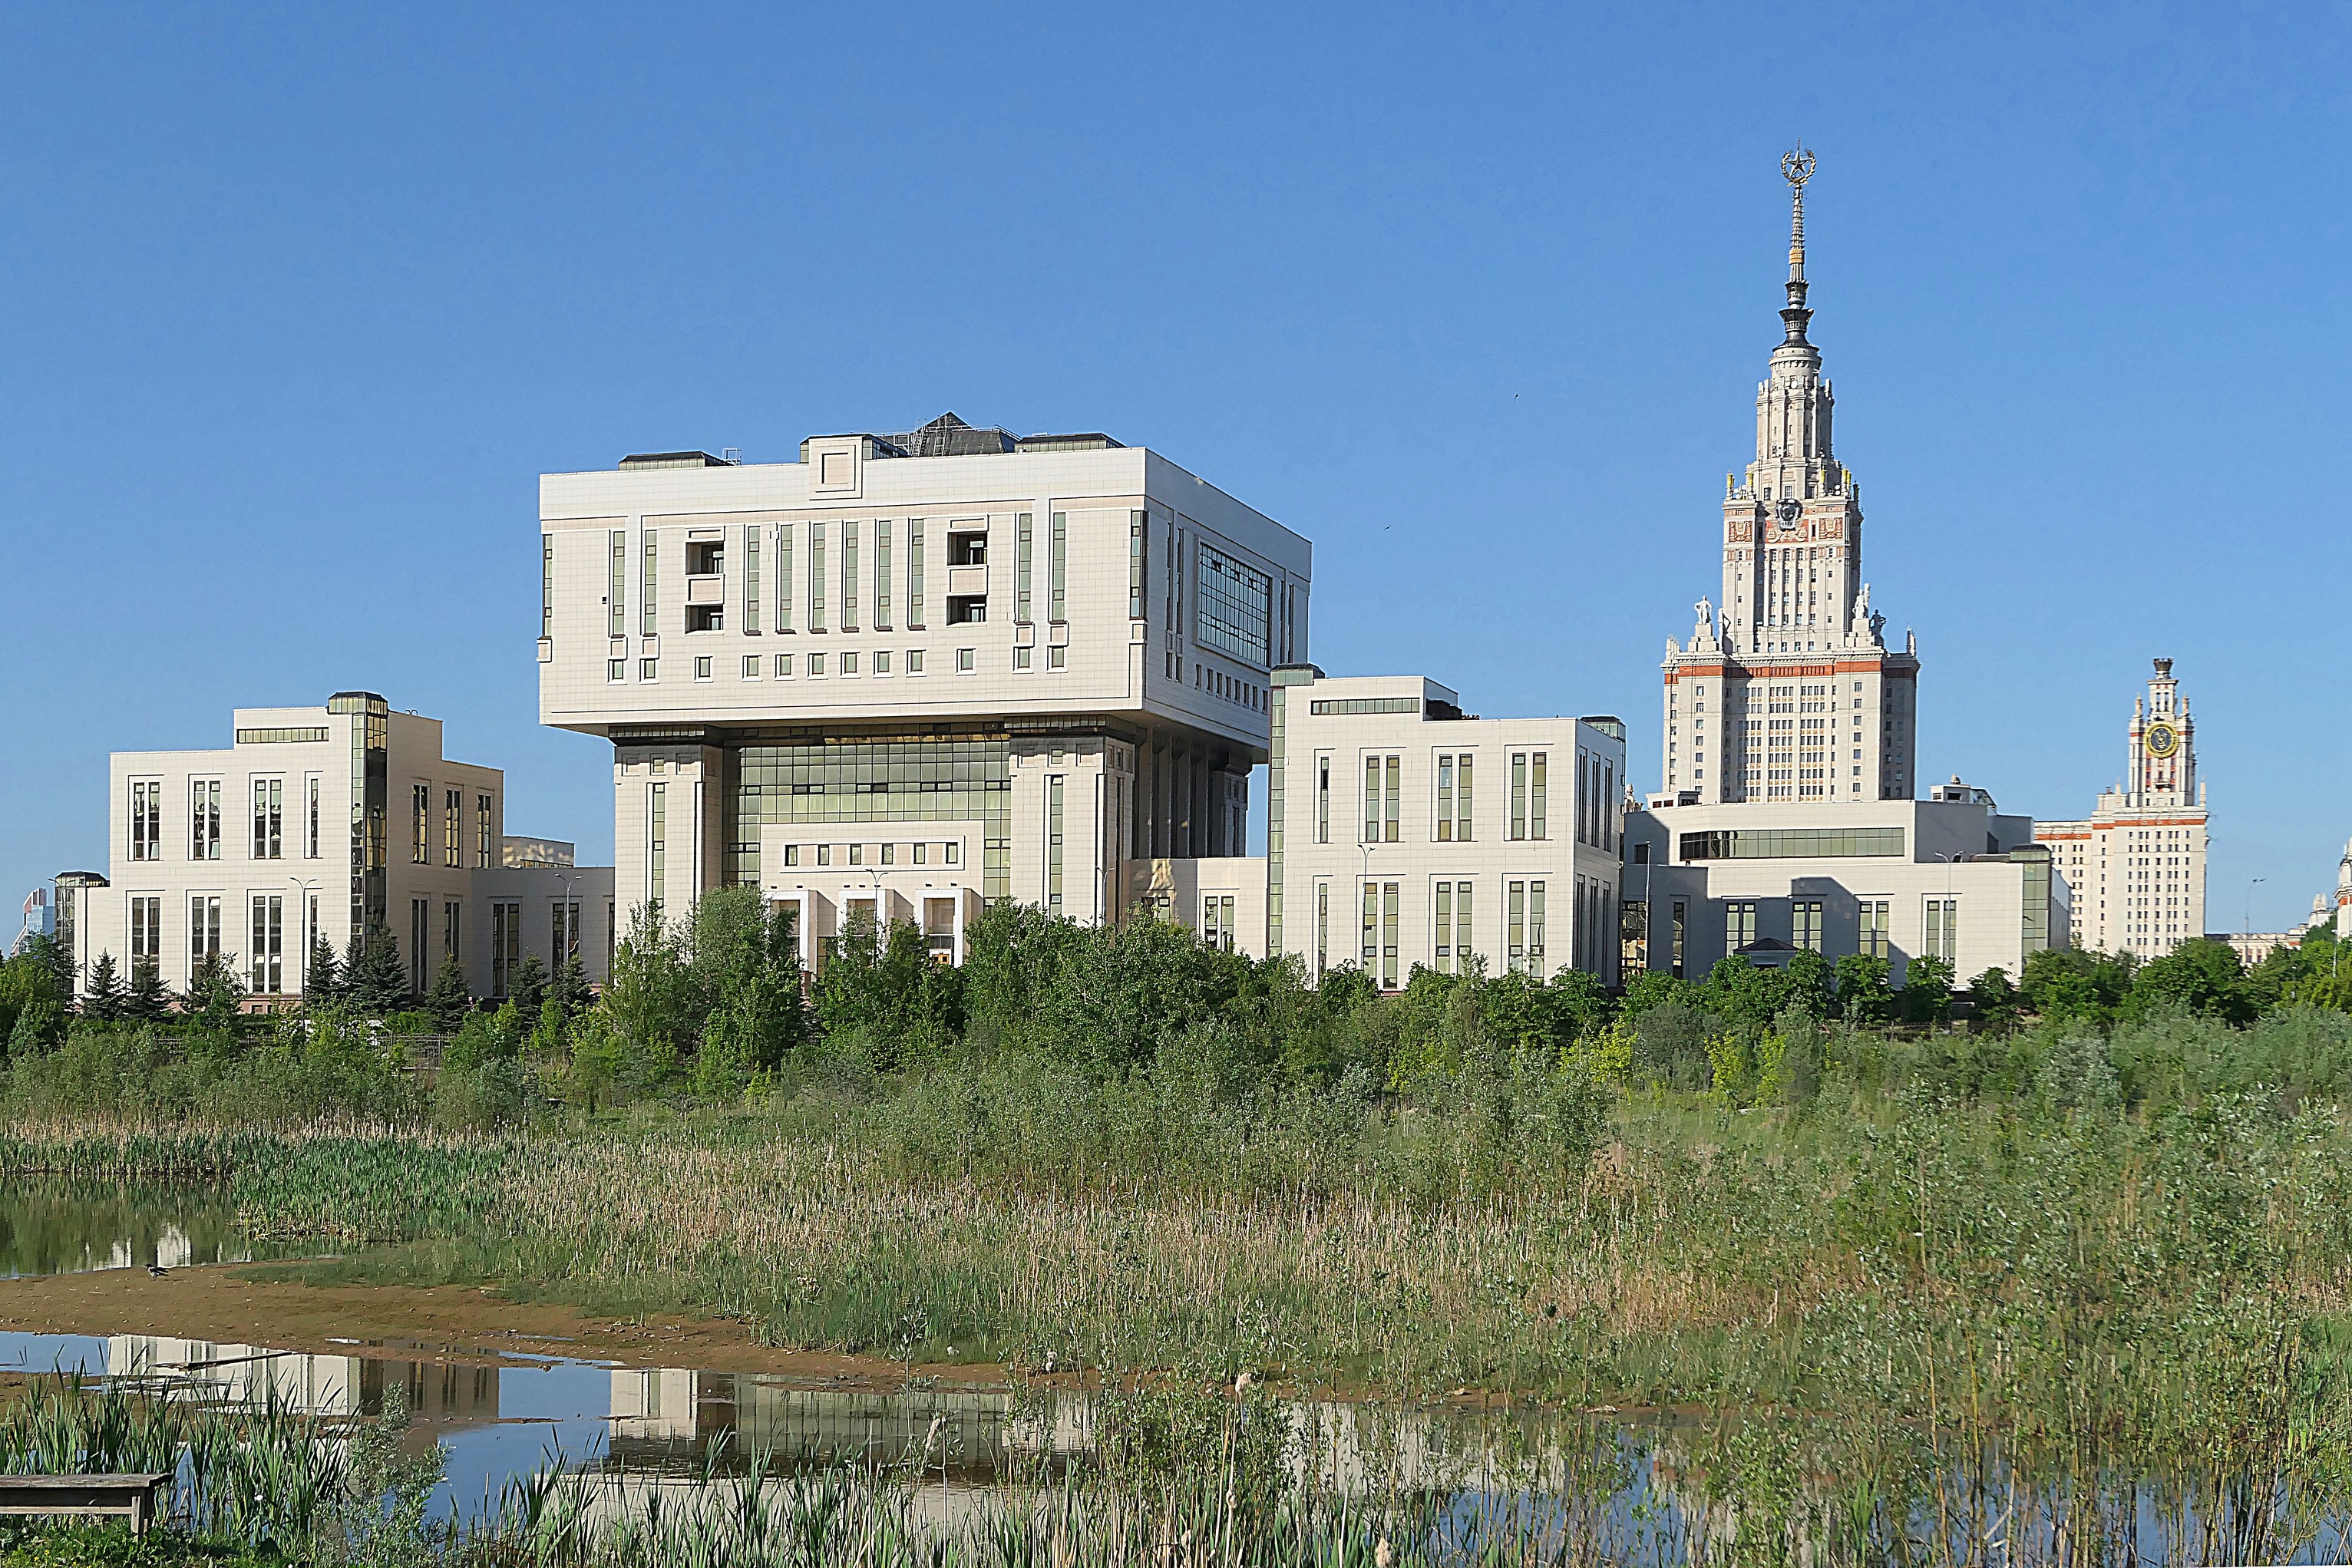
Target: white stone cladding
<point>1367,791</point>
<point>863,640</point>
<point>310,825</point>
<point>1786,690</point>
<point>2137,863</point>
<point>1892,878</point>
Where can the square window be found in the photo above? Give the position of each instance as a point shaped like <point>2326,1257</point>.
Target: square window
<point>967,660</point>
<point>1057,658</point>
<point>702,666</point>
<point>751,666</point>
<point>617,669</point>
<point>914,661</point>
<point>644,669</point>
<point>783,666</point>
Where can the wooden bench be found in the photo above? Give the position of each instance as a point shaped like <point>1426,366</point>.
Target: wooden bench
<point>140,1499</point>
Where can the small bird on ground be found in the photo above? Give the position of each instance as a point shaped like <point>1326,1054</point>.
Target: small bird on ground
<point>157,1270</point>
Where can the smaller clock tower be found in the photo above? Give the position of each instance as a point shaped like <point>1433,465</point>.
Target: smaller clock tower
<point>2137,865</point>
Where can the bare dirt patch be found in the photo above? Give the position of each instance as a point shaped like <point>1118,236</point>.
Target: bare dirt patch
<point>440,1322</point>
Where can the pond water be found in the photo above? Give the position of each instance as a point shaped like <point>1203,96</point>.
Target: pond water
<point>71,1227</point>
<point>958,1446</point>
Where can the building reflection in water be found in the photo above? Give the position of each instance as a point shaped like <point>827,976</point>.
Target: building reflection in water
<point>441,1394</point>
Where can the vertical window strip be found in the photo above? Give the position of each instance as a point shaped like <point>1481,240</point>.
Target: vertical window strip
<point>1387,936</point>
<point>1372,943</point>
<point>1537,794</point>
<point>652,574</point>
<point>1395,794</point>
<point>1021,609</point>
<point>1138,560</point>
<point>1054,842</point>
<point>1519,795</point>
<point>547,585</point>
<point>1371,803</point>
<point>657,843</point>
<point>482,847</point>
<point>785,578</point>
<point>1445,805</point>
<point>1057,566</point>
<point>1461,799</point>
<point>882,576</point>
<point>849,577</point>
<point>1464,929</point>
<point>1442,949</point>
<point>1322,800</point>
<point>817,577</point>
<point>1322,928</point>
<point>915,573</point>
<point>616,601</point>
<point>1536,928</point>
<point>751,578</point>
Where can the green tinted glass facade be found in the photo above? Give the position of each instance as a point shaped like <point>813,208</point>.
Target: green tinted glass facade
<point>1790,843</point>
<point>875,781</point>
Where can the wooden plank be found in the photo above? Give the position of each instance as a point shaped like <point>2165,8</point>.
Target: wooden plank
<point>131,1496</point>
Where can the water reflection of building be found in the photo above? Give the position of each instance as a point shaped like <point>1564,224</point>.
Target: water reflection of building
<point>440,1394</point>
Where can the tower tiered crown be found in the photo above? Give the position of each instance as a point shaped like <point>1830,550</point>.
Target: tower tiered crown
<point>1795,634</point>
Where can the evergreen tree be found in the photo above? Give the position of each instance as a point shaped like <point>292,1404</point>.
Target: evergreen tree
<point>104,998</point>
<point>148,1001</point>
<point>527,987</point>
<point>376,985</point>
<point>215,996</point>
<point>323,988</point>
<point>569,989</point>
<point>450,1001</point>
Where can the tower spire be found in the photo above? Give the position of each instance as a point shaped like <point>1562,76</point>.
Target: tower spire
<point>1796,167</point>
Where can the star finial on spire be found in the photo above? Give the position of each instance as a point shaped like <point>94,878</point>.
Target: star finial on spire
<point>1796,167</point>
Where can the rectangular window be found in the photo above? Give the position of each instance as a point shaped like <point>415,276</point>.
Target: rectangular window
<point>751,578</point>
<point>268,953</point>
<point>783,666</point>
<point>1217,921</point>
<point>1790,843</point>
<point>1058,570</point>
<point>1387,936</point>
<point>452,915</point>
<point>1805,924</point>
<point>1607,807</point>
<point>146,820</point>
<point>1054,842</point>
<point>849,662</point>
<point>1057,658</point>
<point>1515,928</point>
<point>566,922</point>
<point>657,843</point>
<point>1462,798</point>
<point>453,827</point>
<point>617,670</point>
<point>146,934</point>
<point>1322,800</point>
<point>1233,606</point>
<point>1024,657</point>
<point>420,824</point>
<point>204,818</point>
<point>914,577</point>
<point>966,659</point>
<point>1445,801</point>
<point>1678,924</point>
<point>1943,933</point>
<point>420,921</point>
<point>849,577</point>
<point>204,930</point>
<point>484,850</point>
<point>646,669</point>
<point>268,819</point>
<point>506,945</point>
<point>616,593</point>
<point>547,585</point>
<point>817,577</point>
<point>1371,944</point>
<point>653,604</point>
<point>816,663</point>
<point>1537,794</point>
<point>1738,925</point>
<point>1870,919</point>
<point>1322,929</point>
<point>1442,930</point>
<point>1519,795</point>
<point>1535,929</point>
<point>311,829</point>
<point>1138,563</point>
<point>882,576</point>
<point>785,578</point>
<point>1389,823</point>
<point>702,666</point>
<point>1021,547</point>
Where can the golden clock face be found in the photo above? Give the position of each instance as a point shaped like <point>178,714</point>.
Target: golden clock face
<point>2163,740</point>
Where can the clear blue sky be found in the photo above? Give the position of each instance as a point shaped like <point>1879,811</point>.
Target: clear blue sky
<point>295,303</point>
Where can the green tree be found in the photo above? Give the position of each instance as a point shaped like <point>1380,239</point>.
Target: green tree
<point>1650,989</point>
<point>1810,985</point>
<point>1864,997</point>
<point>2070,985</point>
<point>147,1001</point>
<point>759,1017</point>
<point>883,992</point>
<point>376,982</point>
<point>1994,1001</point>
<point>650,1003</point>
<point>450,1000</point>
<point>2198,977</point>
<point>39,1028</point>
<point>569,988</point>
<point>527,987</point>
<point>24,979</point>
<point>104,996</point>
<point>322,986</point>
<point>216,999</point>
<point>1926,993</point>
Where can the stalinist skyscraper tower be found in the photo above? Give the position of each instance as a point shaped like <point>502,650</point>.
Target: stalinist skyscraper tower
<point>1787,691</point>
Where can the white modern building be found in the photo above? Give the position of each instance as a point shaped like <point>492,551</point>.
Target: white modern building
<point>40,920</point>
<point>1787,692</point>
<point>315,823</point>
<point>2137,863</point>
<point>916,670</point>
<point>1403,831</point>
<point>1950,876</point>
